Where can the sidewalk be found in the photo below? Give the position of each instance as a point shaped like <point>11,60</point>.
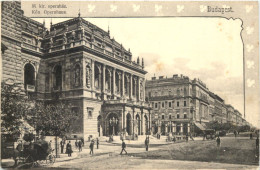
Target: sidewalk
<point>8,163</point>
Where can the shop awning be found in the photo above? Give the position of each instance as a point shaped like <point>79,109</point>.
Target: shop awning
<point>200,126</point>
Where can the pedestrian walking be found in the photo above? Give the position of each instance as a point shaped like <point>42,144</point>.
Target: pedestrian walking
<point>82,141</point>
<point>61,146</point>
<point>257,143</point>
<point>204,135</point>
<point>69,149</point>
<point>91,147</point>
<point>191,137</point>
<point>97,142</point>
<point>123,147</point>
<point>76,143</point>
<point>235,133</point>
<point>218,142</point>
<point>146,142</point>
<point>80,145</point>
<point>174,139</point>
<point>187,137</point>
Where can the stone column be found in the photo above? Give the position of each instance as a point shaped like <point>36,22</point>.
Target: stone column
<point>170,127</point>
<point>114,81</point>
<point>149,121</point>
<point>143,89</point>
<point>166,128</point>
<point>104,79</point>
<point>124,115</point>
<point>188,127</point>
<point>110,81</point>
<point>99,78</point>
<point>131,86</point>
<point>93,75</point>
<point>174,127</point>
<point>138,89</point>
<point>142,122</point>
<point>134,85</point>
<point>123,84</point>
<point>127,87</point>
<point>84,74</point>
<point>181,131</point>
<point>133,123</point>
<point>119,82</point>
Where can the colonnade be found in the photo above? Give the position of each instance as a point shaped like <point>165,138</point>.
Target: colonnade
<point>115,82</point>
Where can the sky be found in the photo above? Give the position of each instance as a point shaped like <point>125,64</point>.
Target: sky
<point>210,49</point>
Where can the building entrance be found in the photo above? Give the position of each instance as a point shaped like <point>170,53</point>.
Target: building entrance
<point>113,124</point>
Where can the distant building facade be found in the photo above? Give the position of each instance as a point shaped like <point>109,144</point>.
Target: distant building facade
<point>77,62</point>
<point>181,104</point>
<point>178,104</point>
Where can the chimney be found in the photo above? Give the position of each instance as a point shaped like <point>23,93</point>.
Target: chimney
<point>161,77</point>
<point>175,76</point>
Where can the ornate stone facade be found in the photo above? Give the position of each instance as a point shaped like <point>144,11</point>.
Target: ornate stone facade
<point>78,62</point>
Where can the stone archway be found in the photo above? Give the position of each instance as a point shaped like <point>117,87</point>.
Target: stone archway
<point>113,124</point>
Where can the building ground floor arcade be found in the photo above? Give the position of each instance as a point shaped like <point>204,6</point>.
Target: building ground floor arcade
<point>114,117</point>
<point>174,127</point>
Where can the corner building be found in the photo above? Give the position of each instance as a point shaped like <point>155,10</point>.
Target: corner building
<point>179,104</point>
<point>76,62</point>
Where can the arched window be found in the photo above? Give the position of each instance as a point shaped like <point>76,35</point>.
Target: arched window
<point>29,75</point>
<point>185,115</point>
<point>58,77</point>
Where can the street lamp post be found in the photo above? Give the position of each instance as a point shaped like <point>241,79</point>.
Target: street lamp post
<point>113,122</point>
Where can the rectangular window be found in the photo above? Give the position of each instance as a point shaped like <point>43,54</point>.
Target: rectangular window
<point>178,116</point>
<point>155,105</point>
<point>185,116</point>
<point>170,116</point>
<point>184,103</point>
<point>162,104</point>
<point>159,105</point>
<point>170,104</point>
<point>178,104</point>
<point>162,116</point>
<point>152,104</point>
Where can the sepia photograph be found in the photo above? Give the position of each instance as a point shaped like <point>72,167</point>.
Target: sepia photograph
<point>129,85</point>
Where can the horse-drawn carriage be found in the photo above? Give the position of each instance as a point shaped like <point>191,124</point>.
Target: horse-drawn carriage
<point>33,154</point>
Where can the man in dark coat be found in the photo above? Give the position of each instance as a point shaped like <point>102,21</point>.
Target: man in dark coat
<point>123,147</point>
<point>97,142</point>
<point>146,142</point>
<point>69,149</point>
<point>218,142</point>
<point>187,137</point>
<point>91,147</point>
<point>82,141</point>
<point>80,145</point>
<point>61,146</point>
